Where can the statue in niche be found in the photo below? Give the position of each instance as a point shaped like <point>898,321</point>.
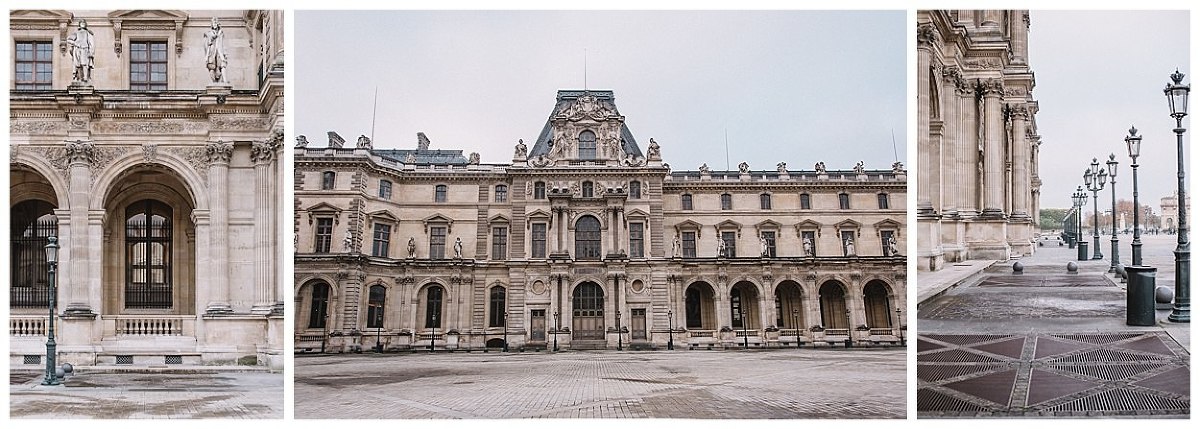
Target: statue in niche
<point>83,53</point>
<point>808,247</point>
<point>676,247</point>
<point>720,246</point>
<point>849,244</point>
<point>214,52</point>
<point>893,250</point>
<point>412,248</point>
<point>457,247</point>
<point>762,241</point>
<point>521,151</point>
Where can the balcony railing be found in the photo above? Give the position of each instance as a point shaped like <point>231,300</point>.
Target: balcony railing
<point>27,326</point>
<point>837,332</point>
<point>706,333</point>
<point>881,331</point>
<point>156,326</point>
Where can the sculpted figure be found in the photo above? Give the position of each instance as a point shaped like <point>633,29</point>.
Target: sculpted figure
<point>458,248</point>
<point>301,141</point>
<point>364,142</point>
<point>897,167</point>
<point>473,159</point>
<point>743,167</point>
<point>521,151</point>
<point>83,53</point>
<point>893,250</point>
<point>704,168</point>
<point>720,247</point>
<point>820,167</point>
<point>346,241</point>
<point>849,243</point>
<point>214,52</point>
<point>860,168</point>
<point>412,248</point>
<point>808,247</point>
<point>676,247</point>
<point>781,167</point>
<point>762,241</point>
<point>652,151</point>
<point>410,159</point>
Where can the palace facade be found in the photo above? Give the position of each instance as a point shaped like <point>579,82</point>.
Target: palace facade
<point>978,190</point>
<point>147,142</point>
<point>585,239</point>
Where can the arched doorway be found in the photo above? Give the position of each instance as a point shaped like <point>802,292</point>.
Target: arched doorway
<point>833,306</point>
<point>313,306</point>
<point>743,305</point>
<point>789,307</point>
<point>587,312</point>
<point>877,305</point>
<point>700,306</point>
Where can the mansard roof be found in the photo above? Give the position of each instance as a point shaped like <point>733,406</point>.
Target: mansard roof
<point>566,99</point>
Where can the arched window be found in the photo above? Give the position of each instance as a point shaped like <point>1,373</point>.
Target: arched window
<point>327,179</point>
<point>635,190</point>
<point>587,145</point>
<point>539,190</point>
<point>588,190</point>
<point>375,306</point>
<point>148,255</point>
<point>587,238</point>
<point>496,307</point>
<point>433,307</point>
<point>319,306</point>
<point>439,194</point>
<point>501,194</point>
<point>32,221</point>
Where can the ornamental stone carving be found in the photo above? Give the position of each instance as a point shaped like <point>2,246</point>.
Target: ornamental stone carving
<point>473,158</point>
<point>240,123</point>
<point>1018,111</point>
<point>157,127</point>
<point>214,52</point>
<point>819,167</point>
<point>897,167</point>
<point>781,167</point>
<point>150,153</point>
<point>80,152</point>
<point>219,152</point>
<point>860,168</point>
<point>301,141</point>
<point>927,35</point>
<point>521,151</point>
<point>991,87</point>
<point>263,152</point>
<point>37,127</point>
<point>363,142</point>
<point>704,169</point>
<point>743,167</point>
<point>982,63</point>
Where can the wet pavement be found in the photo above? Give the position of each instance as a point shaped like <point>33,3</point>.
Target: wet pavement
<point>236,395</point>
<point>1048,344</point>
<point>760,384</point>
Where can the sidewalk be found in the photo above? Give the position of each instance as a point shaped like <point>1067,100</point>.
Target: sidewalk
<point>932,284</point>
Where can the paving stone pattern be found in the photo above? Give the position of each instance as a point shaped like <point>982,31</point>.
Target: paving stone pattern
<point>253,395</point>
<point>769,384</point>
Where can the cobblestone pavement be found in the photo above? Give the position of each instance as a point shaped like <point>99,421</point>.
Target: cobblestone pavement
<point>768,384</point>
<point>246,395</point>
<point>1046,343</point>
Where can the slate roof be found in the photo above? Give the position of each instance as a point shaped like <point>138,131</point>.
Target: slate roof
<point>567,97</point>
<point>428,156</point>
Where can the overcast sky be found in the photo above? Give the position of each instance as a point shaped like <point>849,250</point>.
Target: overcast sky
<point>789,86</point>
<point>1098,73</point>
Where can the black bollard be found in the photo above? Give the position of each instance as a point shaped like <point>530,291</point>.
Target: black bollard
<point>1139,302</point>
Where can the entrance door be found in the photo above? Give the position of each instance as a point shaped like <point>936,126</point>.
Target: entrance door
<point>587,313</point>
<point>638,324</point>
<point>537,326</point>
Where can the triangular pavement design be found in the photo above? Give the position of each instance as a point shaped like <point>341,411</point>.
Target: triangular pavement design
<point>1113,372</point>
<point>1011,348</point>
<point>1123,400</point>
<point>1051,347</point>
<point>934,373</point>
<point>924,346</point>
<point>955,355</point>
<point>1106,355</point>
<point>1151,344</point>
<point>1177,381</point>
<point>996,387</point>
<point>929,400</point>
<point>1045,386</point>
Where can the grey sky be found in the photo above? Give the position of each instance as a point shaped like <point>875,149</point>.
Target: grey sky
<point>1098,72</point>
<point>788,86</point>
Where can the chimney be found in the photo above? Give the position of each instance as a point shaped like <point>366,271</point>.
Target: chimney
<point>335,141</point>
<point>422,142</point>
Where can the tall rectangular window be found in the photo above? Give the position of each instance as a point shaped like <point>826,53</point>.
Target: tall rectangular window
<point>501,193</point>
<point>726,202</point>
<point>805,202</point>
<point>730,239</point>
<point>324,236</point>
<point>769,237</point>
<point>385,189</point>
<point>689,244</point>
<point>538,241</point>
<point>844,201</point>
<point>685,201</point>
<point>34,66</point>
<point>500,243</point>
<point>148,66</point>
<point>635,190</point>
<point>636,242</point>
<point>437,242</point>
<point>883,201</point>
<point>383,235</point>
<point>764,201</point>
<point>886,238</point>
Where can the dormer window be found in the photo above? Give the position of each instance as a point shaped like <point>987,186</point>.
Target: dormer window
<point>587,145</point>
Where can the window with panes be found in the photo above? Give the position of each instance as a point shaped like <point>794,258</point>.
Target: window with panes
<point>538,241</point>
<point>383,235</point>
<point>805,202</point>
<point>34,66</point>
<point>499,243</point>
<point>883,200</point>
<point>501,193</point>
<point>726,202</point>
<point>636,240</point>
<point>635,190</point>
<point>844,201</point>
<point>685,201</point>
<point>689,244</point>
<point>437,242</point>
<point>764,201</point>
<point>385,189</point>
<point>324,236</point>
<point>148,66</point>
<point>730,239</point>
<point>375,306</point>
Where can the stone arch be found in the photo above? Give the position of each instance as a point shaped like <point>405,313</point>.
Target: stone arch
<point>744,309</point>
<point>833,298</point>
<point>878,303</point>
<point>700,305</point>
<point>133,162</point>
<point>59,185</point>
<point>305,312</point>
<point>789,304</point>
<point>587,310</point>
<point>432,302</point>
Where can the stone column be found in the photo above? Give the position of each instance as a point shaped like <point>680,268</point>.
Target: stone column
<point>993,161</point>
<point>926,38</point>
<point>1021,151</point>
<point>94,295</point>
<point>1020,37</point>
<point>203,221</point>
<point>77,277</point>
<point>219,154</point>
<point>950,141</point>
<point>263,155</point>
<point>967,153</point>
<point>619,213</point>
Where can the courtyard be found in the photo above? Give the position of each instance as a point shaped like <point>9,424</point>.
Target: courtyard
<point>760,384</point>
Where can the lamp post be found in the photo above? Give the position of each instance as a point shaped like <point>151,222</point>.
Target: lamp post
<point>556,331</point>
<point>1177,95</point>
<point>51,378</point>
<point>670,330</point>
<point>900,325</point>
<point>1112,177</point>
<point>1134,142</point>
<point>505,332</point>
<point>1094,177</point>
<point>433,332</point>
<point>849,329</point>
<point>378,328</point>
<point>618,330</point>
<point>324,323</point>
<point>796,324</point>
<point>745,335</point>
<point>1080,199</point>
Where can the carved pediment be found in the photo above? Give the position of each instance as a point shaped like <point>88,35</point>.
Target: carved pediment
<point>848,224</point>
<point>148,15</point>
<point>39,15</point>
<point>538,214</point>
<point>689,225</point>
<point>147,20</point>
<point>499,219</point>
<point>438,219</point>
<point>323,209</point>
<point>384,215</point>
<point>767,225</point>
<point>637,213</point>
<point>887,224</point>
<point>728,224</point>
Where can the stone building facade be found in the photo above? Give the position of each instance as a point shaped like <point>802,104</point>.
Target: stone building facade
<point>587,240</point>
<point>148,142</point>
<point>978,189</point>
<point>1168,222</point>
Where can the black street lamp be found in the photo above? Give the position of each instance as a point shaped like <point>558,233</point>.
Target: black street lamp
<point>849,329</point>
<point>1177,96</point>
<point>618,330</point>
<point>745,334</point>
<point>1080,199</point>
<point>900,325</point>
<point>1095,177</point>
<point>324,324</point>
<point>378,328</point>
<point>796,324</point>
<point>51,378</point>
<point>1112,177</point>
<point>555,331</point>
<point>1134,142</point>
<point>433,332</point>
<point>505,332</point>
<point>670,330</point>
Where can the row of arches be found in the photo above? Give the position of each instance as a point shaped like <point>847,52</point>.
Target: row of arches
<point>745,312</point>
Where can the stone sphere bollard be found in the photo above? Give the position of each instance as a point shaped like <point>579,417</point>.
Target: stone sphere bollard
<point>1072,267</point>
<point>1018,267</point>
<point>1121,272</point>
<point>1164,295</point>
